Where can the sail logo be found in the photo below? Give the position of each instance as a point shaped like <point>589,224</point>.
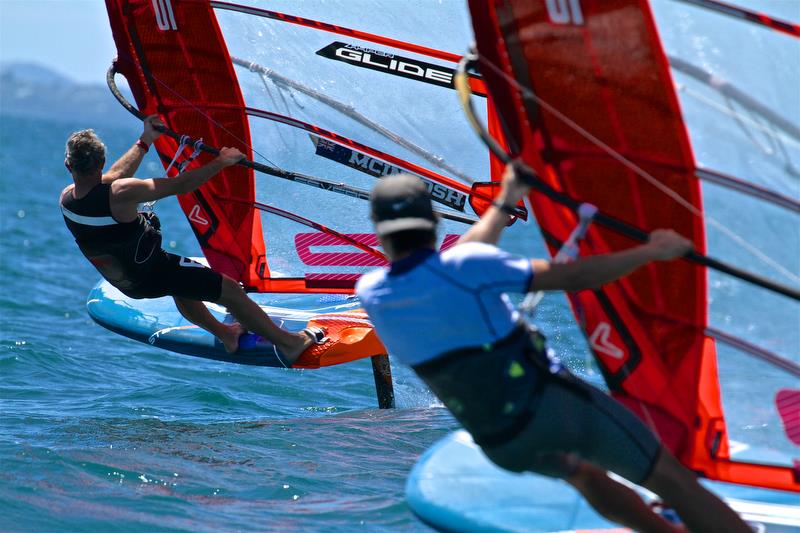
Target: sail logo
<point>378,168</point>
<point>565,12</point>
<point>373,166</point>
<point>165,17</point>
<point>379,61</point>
<point>389,63</point>
<point>323,249</point>
<point>196,217</point>
<point>600,341</point>
<point>438,192</point>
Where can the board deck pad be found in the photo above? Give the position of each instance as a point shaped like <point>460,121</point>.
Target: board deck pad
<point>454,487</point>
<point>157,322</point>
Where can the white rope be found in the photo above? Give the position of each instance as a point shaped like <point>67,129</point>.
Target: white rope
<point>569,252</point>
<point>742,119</point>
<point>212,120</point>
<point>350,111</point>
<point>198,148</point>
<point>647,176</point>
<point>149,206</point>
<point>768,129</point>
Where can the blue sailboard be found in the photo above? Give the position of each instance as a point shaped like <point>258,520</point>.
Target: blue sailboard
<point>454,487</point>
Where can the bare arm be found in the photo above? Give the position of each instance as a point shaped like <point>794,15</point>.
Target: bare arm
<point>592,272</point>
<point>126,166</point>
<point>136,191</point>
<point>491,224</point>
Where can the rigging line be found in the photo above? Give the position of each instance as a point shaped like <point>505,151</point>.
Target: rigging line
<point>297,177</point>
<point>769,130</point>
<point>330,101</point>
<point>527,93</point>
<point>726,110</point>
<point>309,223</point>
<point>451,185</point>
<point>755,351</point>
<point>729,182</point>
<point>728,89</point>
<point>112,71</point>
<point>276,171</point>
<point>341,30</point>
<point>283,97</point>
<point>149,206</point>
<point>180,167</point>
<point>275,103</point>
<point>212,120</point>
<point>352,112</point>
<point>360,147</point>
<point>605,220</point>
<point>762,19</point>
<point>769,148</point>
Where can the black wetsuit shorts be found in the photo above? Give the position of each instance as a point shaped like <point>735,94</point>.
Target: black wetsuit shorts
<point>575,421</point>
<point>173,275</point>
<point>528,413</point>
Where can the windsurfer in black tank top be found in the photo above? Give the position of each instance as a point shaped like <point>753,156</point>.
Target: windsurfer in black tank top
<point>101,211</point>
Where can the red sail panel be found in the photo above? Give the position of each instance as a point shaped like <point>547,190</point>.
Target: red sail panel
<point>177,65</point>
<point>174,55</point>
<point>599,65</point>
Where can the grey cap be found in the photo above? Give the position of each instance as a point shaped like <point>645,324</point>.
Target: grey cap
<point>401,202</point>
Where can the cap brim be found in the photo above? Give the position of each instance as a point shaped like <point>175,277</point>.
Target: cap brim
<point>387,227</point>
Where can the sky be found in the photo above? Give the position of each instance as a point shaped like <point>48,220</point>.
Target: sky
<point>71,37</point>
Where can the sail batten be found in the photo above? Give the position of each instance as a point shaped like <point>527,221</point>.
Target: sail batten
<point>256,230</point>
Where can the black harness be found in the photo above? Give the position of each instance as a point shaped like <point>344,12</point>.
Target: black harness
<point>492,390</point>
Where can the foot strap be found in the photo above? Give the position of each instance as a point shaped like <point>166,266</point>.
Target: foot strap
<point>317,335</point>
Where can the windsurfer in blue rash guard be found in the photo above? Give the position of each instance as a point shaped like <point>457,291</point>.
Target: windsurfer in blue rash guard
<point>446,314</point>
<point>101,211</point>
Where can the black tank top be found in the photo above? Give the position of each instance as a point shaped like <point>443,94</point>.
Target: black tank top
<point>123,252</point>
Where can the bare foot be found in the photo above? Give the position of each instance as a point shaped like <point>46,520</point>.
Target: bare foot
<point>297,344</point>
<point>230,339</point>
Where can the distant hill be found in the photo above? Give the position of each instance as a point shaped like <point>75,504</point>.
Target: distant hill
<point>33,91</point>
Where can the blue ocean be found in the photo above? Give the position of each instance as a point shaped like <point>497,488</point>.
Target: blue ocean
<point>101,433</point>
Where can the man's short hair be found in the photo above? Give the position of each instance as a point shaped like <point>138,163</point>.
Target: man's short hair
<point>85,152</point>
<point>410,240</point>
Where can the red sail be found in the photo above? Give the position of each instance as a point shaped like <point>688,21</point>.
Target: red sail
<point>176,59</point>
<point>577,84</point>
<point>176,63</point>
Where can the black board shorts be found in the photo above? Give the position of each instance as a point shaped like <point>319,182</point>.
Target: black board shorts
<point>575,421</point>
<point>173,275</point>
<point>529,413</point>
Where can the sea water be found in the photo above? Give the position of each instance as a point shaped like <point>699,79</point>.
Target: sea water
<point>101,433</point>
